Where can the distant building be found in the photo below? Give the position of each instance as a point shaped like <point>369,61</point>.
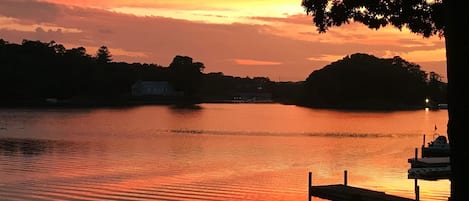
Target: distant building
<point>154,88</point>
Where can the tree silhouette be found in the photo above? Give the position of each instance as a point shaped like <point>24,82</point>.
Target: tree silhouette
<point>103,55</point>
<point>436,88</point>
<point>362,81</point>
<point>186,75</point>
<point>426,17</point>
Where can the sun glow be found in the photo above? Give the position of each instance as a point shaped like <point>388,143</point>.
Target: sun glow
<point>227,12</point>
<point>251,62</point>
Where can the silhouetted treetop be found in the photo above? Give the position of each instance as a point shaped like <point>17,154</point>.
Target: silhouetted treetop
<point>185,62</point>
<point>77,52</point>
<point>103,55</point>
<point>365,81</point>
<point>423,17</point>
<point>186,75</point>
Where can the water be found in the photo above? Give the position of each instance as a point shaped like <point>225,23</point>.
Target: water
<point>216,152</point>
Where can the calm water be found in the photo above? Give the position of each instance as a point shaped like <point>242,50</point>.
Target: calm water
<point>217,152</point>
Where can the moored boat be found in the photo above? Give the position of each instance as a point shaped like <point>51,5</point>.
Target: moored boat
<point>438,147</point>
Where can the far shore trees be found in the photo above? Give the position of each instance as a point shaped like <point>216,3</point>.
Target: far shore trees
<point>186,76</point>
<point>35,71</point>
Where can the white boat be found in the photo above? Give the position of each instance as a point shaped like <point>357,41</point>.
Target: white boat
<point>438,147</point>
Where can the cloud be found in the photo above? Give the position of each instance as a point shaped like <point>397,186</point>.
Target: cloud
<point>300,26</point>
<point>14,24</point>
<point>416,56</point>
<point>301,19</point>
<point>251,62</point>
<point>29,10</point>
<point>326,57</point>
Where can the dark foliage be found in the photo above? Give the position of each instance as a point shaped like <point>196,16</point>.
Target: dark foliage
<point>103,55</point>
<point>186,76</point>
<point>362,81</point>
<point>217,87</point>
<point>420,16</point>
<point>35,71</point>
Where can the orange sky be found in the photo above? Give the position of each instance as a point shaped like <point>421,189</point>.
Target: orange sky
<point>274,38</point>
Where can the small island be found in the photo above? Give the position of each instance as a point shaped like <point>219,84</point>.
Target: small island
<point>362,81</point>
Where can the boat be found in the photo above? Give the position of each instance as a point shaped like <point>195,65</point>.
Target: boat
<point>438,147</point>
<point>442,106</point>
<point>434,163</point>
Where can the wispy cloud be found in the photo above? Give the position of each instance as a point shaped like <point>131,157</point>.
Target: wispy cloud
<point>326,57</point>
<point>251,62</point>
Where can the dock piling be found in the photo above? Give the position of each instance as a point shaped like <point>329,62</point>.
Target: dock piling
<point>416,153</point>
<point>417,190</point>
<point>423,145</point>
<point>345,177</point>
<point>310,183</point>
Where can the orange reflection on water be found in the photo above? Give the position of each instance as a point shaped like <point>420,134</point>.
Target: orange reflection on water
<point>218,152</point>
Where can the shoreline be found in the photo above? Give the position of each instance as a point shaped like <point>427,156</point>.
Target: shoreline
<point>124,103</point>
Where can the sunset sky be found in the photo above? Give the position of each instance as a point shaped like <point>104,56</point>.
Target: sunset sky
<point>274,38</point>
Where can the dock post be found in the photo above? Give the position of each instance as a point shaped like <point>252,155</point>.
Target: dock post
<point>421,153</point>
<point>416,153</point>
<point>310,181</point>
<point>417,191</point>
<point>423,146</point>
<point>345,177</point>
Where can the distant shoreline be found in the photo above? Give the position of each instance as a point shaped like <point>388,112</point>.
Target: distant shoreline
<point>123,103</point>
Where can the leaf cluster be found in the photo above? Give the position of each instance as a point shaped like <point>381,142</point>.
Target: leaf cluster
<point>424,17</point>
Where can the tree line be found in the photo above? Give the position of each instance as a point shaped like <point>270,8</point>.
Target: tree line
<point>34,71</point>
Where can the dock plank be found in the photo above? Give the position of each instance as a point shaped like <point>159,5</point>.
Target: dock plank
<point>429,162</point>
<point>340,192</point>
<point>430,173</point>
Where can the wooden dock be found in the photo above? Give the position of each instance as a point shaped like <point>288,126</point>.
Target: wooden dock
<point>430,173</point>
<point>429,168</point>
<point>429,162</point>
<point>343,192</point>
<point>340,192</point>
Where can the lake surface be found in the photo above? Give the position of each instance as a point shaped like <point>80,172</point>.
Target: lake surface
<point>216,152</point>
